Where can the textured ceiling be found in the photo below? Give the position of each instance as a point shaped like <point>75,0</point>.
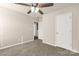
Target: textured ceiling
<point>46,10</point>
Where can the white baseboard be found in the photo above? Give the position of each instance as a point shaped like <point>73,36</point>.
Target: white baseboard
<point>71,50</point>
<point>75,51</point>
<point>14,45</point>
<point>49,43</point>
<point>61,47</point>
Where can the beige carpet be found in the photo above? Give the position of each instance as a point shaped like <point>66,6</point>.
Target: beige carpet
<point>36,48</point>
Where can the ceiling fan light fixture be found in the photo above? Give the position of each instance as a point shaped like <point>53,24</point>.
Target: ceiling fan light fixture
<point>34,9</point>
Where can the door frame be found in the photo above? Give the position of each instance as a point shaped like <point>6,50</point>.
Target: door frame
<point>36,30</point>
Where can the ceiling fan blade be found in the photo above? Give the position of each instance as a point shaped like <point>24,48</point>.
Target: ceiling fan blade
<point>24,4</point>
<point>45,4</point>
<point>36,4</point>
<point>40,12</point>
<point>29,12</point>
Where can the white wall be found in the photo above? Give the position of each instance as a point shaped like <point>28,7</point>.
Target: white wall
<point>47,26</point>
<point>46,29</point>
<point>15,27</point>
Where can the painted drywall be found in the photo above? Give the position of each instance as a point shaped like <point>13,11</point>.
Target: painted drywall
<point>46,29</point>
<point>47,26</point>
<point>76,29</point>
<point>15,27</point>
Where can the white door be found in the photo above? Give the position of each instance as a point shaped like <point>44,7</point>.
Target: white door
<point>63,30</point>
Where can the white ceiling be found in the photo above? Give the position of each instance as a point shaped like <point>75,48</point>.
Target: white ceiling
<point>46,10</point>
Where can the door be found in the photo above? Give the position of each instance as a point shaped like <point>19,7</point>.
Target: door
<point>35,30</point>
<point>63,30</point>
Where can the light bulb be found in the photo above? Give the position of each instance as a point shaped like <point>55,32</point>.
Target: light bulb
<point>36,9</point>
<point>32,9</point>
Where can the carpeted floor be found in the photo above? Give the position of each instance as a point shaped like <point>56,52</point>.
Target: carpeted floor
<point>37,48</point>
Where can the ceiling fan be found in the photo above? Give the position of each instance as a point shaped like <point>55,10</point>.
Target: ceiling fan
<point>35,7</point>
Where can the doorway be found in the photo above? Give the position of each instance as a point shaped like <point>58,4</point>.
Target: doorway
<point>35,30</point>
<point>63,30</point>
